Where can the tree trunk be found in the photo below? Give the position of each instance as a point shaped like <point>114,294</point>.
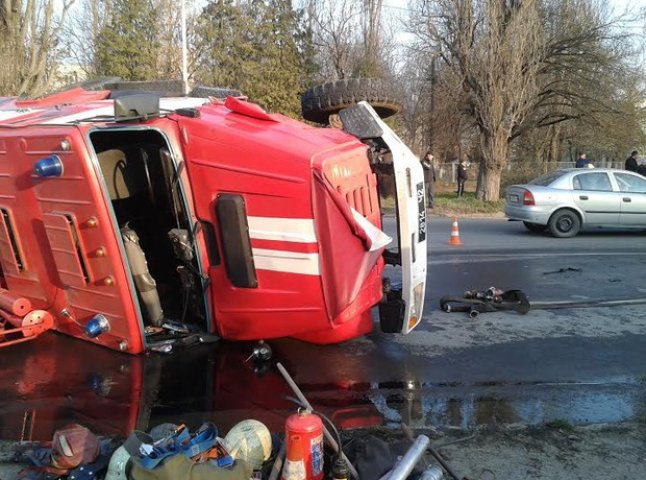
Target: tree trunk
<point>488,188</point>
<point>494,158</point>
<point>555,144</point>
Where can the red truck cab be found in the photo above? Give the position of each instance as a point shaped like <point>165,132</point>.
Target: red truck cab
<point>136,213</point>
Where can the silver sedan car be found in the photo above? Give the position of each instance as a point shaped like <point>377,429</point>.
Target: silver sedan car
<point>564,201</point>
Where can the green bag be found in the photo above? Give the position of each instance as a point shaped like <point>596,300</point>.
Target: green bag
<point>180,467</point>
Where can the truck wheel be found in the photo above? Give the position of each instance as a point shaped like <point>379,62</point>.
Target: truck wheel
<point>564,223</point>
<point>319,102</point>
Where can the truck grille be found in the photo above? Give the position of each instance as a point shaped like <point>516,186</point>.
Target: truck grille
<point>359,199</point>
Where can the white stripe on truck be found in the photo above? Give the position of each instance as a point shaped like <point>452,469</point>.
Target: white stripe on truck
<point>300,230</point>
<point>290,262</point>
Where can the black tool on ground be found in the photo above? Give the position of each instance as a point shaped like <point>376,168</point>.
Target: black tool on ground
<point>261,352</point>
<point>563,270</point>
<point>490,300</point>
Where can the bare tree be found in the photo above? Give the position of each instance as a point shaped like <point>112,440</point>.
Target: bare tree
<point>495,49</point>
<point>351,38</point>
<point>29,35</point>
<point>370,62</point>
<point>527,64</point>
<point>170,37</point>
<point>83,30</point>
<point>334,25</point>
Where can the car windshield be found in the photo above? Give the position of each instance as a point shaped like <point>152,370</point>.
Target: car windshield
<point>547,179</point>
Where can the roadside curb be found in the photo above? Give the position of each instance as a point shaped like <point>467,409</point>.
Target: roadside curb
<point>430,213</point>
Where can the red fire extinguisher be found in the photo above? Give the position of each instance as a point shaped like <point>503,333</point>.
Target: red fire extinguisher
<point>304,453</point>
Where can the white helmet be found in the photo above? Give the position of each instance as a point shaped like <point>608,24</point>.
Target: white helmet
<point>250,441</point>
<point>118,466</point>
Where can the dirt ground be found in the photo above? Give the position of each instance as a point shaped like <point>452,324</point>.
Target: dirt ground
<point>600,452</point>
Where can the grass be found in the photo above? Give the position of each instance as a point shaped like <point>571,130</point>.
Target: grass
<point>447,203</point>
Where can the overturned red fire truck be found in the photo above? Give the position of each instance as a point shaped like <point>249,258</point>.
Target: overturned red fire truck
<point>123,212</point>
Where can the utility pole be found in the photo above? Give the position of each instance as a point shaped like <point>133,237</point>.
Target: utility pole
<point>431,123</point>
<point>184,51</point>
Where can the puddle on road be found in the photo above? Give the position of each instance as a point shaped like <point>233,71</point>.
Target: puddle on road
<point>56,380</point>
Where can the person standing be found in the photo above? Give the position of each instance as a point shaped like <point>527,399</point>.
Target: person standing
<point>582,162</point>
<point>428,163</point>
<point>631,162</point>
<point>462,176</point>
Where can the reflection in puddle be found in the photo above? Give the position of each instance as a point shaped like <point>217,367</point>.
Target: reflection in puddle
<point>467,407</point>
<point>56,380</point>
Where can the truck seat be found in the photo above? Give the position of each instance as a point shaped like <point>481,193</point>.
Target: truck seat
<point>144,281</point>
<point>125,178</point>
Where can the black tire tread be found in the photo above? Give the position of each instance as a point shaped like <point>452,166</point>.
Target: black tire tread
<point>217,92</point>
<point>321,101</point>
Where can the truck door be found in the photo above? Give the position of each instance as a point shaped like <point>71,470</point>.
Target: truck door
<point>263,250</point>
<point>69,258</point>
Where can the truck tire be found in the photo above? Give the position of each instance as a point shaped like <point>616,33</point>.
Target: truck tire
<point>319,102</point>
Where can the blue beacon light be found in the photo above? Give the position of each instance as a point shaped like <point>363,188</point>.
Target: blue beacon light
<point>51,166</point>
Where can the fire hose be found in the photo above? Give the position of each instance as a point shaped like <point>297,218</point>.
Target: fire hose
<point>18,321</point>
<point>494,300</point>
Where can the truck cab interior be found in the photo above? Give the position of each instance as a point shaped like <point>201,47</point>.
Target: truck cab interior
<point>150,211</point>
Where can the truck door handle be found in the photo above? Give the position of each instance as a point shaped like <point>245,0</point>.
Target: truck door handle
<point>583,197</point>
<point>627,199</point>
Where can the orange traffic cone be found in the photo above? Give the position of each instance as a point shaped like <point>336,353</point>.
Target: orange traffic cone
<point>455,233</point>
<point>294,467</point>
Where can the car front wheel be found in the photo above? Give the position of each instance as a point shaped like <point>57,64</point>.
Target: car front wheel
<point>535,227</point>
<point>564,224</point>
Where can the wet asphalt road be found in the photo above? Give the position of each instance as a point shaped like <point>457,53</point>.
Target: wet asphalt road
<point>377,380</point>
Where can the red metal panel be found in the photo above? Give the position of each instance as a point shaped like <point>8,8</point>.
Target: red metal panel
<point>78,194</point>
<point>67,250</point>
<point>54,277</point>
<point>16,195</point>
<point>270,165</point>
<point>234,159</point>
